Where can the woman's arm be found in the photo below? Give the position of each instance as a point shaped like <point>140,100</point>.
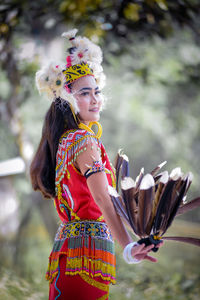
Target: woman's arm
<point>98,186</point>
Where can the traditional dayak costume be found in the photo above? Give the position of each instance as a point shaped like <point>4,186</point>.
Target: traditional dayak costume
<point>82,262</point>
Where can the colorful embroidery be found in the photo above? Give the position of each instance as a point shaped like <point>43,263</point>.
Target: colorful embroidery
<point>72,143</point>
<point>83,229</point>
<point>89,248</point>
<point>95,168</point>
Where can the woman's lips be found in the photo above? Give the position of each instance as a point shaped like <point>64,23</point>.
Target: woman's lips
<point>96,109</point>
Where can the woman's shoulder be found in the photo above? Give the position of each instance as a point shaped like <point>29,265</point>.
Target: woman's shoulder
<point>76,136</point>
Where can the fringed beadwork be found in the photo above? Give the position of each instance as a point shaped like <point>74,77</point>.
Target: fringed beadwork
<point>89,248</point>
<point>72,143</point>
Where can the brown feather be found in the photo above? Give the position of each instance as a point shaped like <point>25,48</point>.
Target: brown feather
<point>128,190</point>
<point>162,210</point>
<point>157,169</point>
<point>189,240</point>
<point>125,167</point>
<point>189,206</point>
<point>173,212</point>
<point>119,208</point>
<point>117,165</point>
<point>139,179</point>
<point>145,198</point>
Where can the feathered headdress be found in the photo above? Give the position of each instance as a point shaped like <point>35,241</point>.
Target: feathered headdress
<point>151,202</point>
<point>84,59</point>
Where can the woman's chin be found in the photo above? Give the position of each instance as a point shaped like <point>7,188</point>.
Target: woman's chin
<point>95,118</point>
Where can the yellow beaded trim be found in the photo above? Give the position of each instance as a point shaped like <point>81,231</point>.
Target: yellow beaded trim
<point>99,285</point>
<point>100,219</point>
<point>76,170</point>
<point>112,177</point>
<point>65,203</point>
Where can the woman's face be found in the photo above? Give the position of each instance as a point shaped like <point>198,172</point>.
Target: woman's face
<point>88,97</point>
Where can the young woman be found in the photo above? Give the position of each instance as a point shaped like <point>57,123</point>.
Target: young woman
<point>71,166</point>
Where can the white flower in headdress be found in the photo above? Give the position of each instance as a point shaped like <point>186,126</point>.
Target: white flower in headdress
<point>96,68</point>
<point>81,41</point>
<point>95,53</point>
<point>79,55</point>
<point>50,80</point>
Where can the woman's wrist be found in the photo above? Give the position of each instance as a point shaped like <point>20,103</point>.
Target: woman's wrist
<point>127,254</point>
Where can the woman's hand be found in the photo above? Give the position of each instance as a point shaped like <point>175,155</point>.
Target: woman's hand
<point>140,252</point>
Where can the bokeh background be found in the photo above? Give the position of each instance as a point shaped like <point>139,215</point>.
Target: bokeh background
<point>152,62</point>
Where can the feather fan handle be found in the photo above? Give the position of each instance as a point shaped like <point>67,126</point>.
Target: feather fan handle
<point>189,240</point>
<point>189,206</point>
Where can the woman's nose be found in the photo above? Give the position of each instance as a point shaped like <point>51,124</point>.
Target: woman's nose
<point>94,98</point>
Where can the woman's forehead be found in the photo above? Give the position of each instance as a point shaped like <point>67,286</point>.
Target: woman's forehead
<point>84,82</point>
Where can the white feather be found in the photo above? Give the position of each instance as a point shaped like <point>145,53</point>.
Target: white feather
<point>112,191</point>
<point>70,34</point>
<point>176,173</point>
<point>127,183</point>
<point>147,182</point>
<point>165,177</point>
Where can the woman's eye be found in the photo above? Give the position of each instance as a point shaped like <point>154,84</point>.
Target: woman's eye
<point>97,92</point>
<point>85,94</point>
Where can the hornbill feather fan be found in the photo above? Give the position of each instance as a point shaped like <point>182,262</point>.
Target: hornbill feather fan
<point>151,202</point>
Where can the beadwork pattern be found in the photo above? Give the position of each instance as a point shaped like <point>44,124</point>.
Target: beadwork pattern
<point>95,168</point>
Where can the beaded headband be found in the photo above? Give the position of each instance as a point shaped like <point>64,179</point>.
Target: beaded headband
<point>77,71</point>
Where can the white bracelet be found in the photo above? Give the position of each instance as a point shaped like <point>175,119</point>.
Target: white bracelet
<point>127,254</point>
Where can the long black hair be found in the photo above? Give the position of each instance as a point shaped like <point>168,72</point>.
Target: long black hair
<point>58,119</point>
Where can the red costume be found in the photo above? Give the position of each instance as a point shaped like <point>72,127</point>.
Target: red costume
<point>83,251</point>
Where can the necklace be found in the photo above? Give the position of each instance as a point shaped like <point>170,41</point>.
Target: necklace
<point>89,128</point>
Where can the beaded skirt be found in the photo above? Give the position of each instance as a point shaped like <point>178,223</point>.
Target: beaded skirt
<point>89,248</point>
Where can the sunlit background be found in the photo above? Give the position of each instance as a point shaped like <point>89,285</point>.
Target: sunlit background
<point>152,62</point>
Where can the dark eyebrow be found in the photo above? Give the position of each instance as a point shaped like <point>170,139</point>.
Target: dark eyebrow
<point>88,89</point>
